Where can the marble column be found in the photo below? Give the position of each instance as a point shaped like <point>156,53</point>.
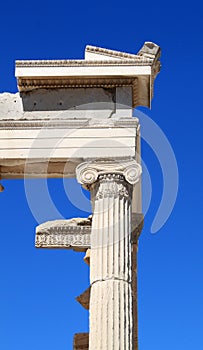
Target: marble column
<point>111,301</point>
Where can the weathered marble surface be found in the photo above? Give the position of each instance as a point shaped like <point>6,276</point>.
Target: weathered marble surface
<point>63,103</point>
<point>71,110</point>
<point>54,148</point>
<point>100,68</point>
<point>66,234</point>
<point>112,298</point>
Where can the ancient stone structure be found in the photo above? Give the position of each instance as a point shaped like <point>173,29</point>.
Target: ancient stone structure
<point>111,260</point>
<point>73,118</point>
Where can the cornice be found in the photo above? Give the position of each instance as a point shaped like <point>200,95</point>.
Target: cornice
<point>138,61</point>
<point>68,124</point>
<point>30,83</point>
<point>117,69</point>
<point>39,124</point>
<point>111,53</point>
<point>147,54</point>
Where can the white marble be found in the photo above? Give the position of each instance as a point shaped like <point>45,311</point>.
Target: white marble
<point>101,68</point>
<point>64,234</point>
<point>111,300</point>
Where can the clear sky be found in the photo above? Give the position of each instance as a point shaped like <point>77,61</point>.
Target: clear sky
<point>38,287</point>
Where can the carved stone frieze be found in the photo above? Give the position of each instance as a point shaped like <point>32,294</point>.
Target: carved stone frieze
<point>66,234</point>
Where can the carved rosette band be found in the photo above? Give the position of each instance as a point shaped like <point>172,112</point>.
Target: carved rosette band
<point>89,172</point>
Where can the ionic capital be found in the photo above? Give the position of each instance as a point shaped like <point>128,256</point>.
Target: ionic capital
<point>88,172</point>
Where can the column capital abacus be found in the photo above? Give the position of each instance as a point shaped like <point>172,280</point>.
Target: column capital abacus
<point>89,172</point>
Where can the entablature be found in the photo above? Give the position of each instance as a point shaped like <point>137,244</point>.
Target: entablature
<point>101,68</point>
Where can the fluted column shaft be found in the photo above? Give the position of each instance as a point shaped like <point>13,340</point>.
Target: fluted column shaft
<point>111,300</point>
<point>110,274</point>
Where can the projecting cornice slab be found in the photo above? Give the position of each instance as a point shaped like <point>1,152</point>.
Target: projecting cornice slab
<point>101,68</point>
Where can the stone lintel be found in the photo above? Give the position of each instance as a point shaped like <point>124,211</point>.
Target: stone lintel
<point>81,341</point>
<point>53,148</point>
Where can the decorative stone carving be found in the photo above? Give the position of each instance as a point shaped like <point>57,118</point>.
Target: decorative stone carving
<point>67,234</point>
<point>68,124</point>
<point>100,51</point>
<point>100,68</point>
<point>112,185</point>
<point>112,294</point>
<point>87,173</point>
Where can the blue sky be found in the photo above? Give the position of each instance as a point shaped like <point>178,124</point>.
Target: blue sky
<point>38,287</point>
